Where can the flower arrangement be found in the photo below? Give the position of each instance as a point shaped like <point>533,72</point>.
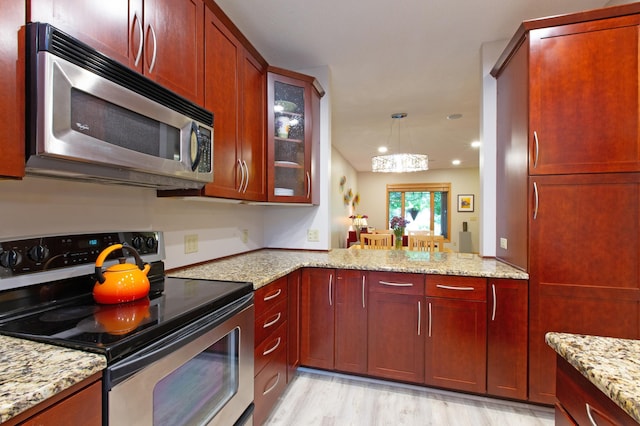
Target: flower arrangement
<point>359,220</point>
<point>398,224</point>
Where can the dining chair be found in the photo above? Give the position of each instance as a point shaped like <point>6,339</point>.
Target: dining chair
<point>376,241</point>
<point>422,242</point>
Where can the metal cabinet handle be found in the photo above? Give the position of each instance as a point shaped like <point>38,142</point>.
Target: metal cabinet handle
<point>241,175</point>
<point>273,386</point>
<point>246,182</point>
<point>396,284</point>
<point>363,288</point>
<point>141,31</point>
<point>429,319</point>
<point>155,49</point>
<point>450,287</point>
<point>308,185</point>
<point>268,351</point>
<point>537,145</point>
<point>495,302</point>
<point>330,288</point>
<point>419,317</point>
<point>270,323</point>
<point>591,419</point>
<point>273,295</point>
<point>535,193</point>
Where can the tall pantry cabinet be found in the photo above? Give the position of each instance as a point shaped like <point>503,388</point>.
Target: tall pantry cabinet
<point>568,183</point>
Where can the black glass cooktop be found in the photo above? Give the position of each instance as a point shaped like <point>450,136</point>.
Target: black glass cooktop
<point>117,330</point>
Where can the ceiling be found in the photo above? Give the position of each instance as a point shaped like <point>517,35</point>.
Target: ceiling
<point>415,56</point>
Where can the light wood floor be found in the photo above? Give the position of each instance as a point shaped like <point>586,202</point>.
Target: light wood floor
<point>329,399</point>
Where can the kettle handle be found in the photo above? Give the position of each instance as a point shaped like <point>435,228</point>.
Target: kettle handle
<point>106,252</point>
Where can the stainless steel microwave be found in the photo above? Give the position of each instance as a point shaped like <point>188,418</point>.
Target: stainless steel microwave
<point>92,118</point>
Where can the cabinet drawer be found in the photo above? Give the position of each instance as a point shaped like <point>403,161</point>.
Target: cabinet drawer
<point>455,287</point>
<point>267,296</point>
<point>269,321</point>
<point>270,348</point>
<point>397,283</point>
<point>269,384</point>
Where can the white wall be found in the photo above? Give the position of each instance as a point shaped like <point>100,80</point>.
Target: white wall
<point>342,208</point>
<point>373,187</point>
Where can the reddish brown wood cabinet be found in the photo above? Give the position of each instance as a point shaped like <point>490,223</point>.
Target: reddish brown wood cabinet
<point>580,402</point>
<point>396,348</point>
<point>568,163</point>
<point>294,284</point>
<point>270,355</point>
<point>293,136</point>
<point>317,318</point>
<point>161,39</point>
<point>507,326</point>
<point>456,333</point>
<point>351,321</point>
<point>235,93</point>
<point>12,105</point>
<point>80,404</point>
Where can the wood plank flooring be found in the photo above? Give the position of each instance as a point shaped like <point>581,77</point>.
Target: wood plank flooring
<point>329,399</point>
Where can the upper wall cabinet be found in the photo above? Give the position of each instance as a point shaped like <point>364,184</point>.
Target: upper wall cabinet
<point>235,93</point>
<point>12,144</point>
<point>293,136</point>
<point>163,39</point>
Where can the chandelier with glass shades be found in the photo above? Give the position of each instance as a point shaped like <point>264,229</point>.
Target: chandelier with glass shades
<point>399,163</point>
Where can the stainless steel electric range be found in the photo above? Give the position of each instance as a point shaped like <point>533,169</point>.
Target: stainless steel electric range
<point>181,356</point>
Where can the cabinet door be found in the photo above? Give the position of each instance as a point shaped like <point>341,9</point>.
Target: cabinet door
<point>294,281</point>
<point>584,118</point>
<point>113,27</point>
<point>82,408</point>
<point>253,146</point>
<point>317,318</point>
<point>351,321</point>
<point>12,105</point>
<point>584,263</point>
<point>456,344</point>
<point>174,46</point>
<point>288,132</point>
<point>396,336</point>
<point>508,316</point>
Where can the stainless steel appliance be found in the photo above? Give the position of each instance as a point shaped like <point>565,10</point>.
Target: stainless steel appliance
<point>181,356</point>
<point>90,117</point>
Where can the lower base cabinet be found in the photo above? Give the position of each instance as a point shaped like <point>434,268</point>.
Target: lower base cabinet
<point>580,402</point>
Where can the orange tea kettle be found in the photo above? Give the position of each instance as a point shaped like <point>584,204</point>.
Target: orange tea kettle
<point>122,282</point>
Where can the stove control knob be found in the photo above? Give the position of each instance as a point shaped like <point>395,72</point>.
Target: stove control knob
<point>151,242</point>
<point>137,242</point>
<point>10,258</point>
<point>38,253</point>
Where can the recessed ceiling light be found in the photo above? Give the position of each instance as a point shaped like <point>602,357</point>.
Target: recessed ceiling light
<point>475,144</point>
<point>454,116</point>
<point>382,149</point>
<point>456,162</point>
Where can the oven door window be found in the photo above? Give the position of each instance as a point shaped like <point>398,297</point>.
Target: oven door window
<point>197,390</point>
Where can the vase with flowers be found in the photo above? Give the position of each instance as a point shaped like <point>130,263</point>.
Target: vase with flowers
<point>359,221</point>
<point>398,224</point>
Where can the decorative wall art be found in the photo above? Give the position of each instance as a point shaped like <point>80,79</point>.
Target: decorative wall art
<point>465,202</point>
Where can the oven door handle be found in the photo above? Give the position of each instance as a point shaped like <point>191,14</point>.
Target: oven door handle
<point>124,369</point>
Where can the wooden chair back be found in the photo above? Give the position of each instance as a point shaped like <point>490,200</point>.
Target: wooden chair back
<point>422,242</point>
<point>376,241</point>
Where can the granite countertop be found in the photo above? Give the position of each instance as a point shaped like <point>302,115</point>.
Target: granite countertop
<point>612,365</point>
<point>31,372</point>
<point>264,266</point>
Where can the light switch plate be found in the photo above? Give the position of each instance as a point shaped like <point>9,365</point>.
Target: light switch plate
<point>190,243</point>
<point>503,243</point>
<point>313,235</point>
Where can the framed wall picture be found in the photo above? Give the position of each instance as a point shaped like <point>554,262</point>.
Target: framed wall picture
<point>465,202</point>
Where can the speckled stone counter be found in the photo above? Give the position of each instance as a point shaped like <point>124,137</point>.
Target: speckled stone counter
<point>31,372</point>
<point>612,365</point>
<point>264,266</point>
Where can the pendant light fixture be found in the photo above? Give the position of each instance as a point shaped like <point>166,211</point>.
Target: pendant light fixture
<point>401,162</point>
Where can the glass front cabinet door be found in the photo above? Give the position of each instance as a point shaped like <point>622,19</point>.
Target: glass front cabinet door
<point>293,136</point>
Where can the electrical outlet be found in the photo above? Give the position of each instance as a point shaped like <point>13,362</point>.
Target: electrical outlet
<point>503,243</point>
<point>190,243</point>
<point>245,236</point>
<point>313,235</point>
